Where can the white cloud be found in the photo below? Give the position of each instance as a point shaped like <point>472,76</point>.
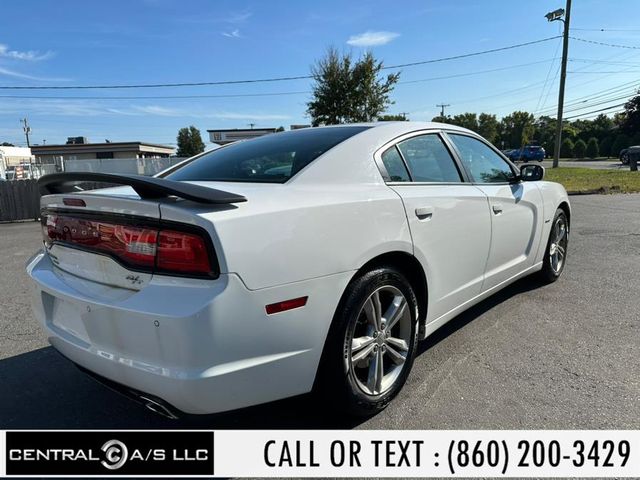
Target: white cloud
<point>246,116</point>
<point>238,17</point>
<point>13,73</point>
<point>173,112</point>
<point>370,39</point>
<point>232,34</point>
<point>26,55</point>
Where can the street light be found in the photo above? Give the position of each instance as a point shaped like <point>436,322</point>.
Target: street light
<point>557,15</point>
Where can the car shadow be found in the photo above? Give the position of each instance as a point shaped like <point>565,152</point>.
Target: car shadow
<point>43,390</point>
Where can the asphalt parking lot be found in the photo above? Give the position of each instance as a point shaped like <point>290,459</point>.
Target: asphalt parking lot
<point>561,356</point>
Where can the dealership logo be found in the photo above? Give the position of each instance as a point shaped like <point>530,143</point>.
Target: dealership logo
<point>116,454</point>
<point>110,453</point>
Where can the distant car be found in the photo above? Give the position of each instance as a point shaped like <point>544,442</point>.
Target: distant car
<point>527,153</point>
<point>625,152</point>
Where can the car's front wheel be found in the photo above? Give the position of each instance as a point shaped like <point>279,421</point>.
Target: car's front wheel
<point>372,343</point>
<point>624,158</point>
<point>555,255</point>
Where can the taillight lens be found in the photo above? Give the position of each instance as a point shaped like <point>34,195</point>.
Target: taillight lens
<point>182,252</point>
<point>148,248</point>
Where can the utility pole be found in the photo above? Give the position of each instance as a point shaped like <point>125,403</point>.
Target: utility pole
<point>251,125</point>
<point>553,16</point>
<point>442,105</point>
<point>27,130</point>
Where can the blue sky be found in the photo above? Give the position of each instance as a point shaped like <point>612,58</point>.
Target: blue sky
<point>69,42</point>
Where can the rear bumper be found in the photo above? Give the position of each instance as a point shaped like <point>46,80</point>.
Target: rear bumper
<point>203,346</point>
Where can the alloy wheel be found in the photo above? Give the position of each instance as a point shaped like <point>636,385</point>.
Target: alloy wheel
<point>558,247</point>
<point>379,340</point>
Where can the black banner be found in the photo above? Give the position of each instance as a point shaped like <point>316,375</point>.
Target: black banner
<point>109,453</point>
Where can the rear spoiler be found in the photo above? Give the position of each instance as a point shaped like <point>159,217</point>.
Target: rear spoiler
<point>147,187</point>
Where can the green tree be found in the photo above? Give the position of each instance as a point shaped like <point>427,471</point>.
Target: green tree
<point>347,90</point>
<point>605,146</point>
<point>593,149</point>
<point>488,126</point>
<point>631,123</point>
<point>517,129</point>
<point>401,117</point>
<point>566,149</point>
<point>545,134</point>
<point>579,148</point>
<point>622,141</point>
<point>619,118</point>
<point>466,120</point>
<point>442,119</point>
<point>280,129</point>
<point>189,142</point>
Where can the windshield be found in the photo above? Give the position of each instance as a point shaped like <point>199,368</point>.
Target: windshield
<point>273,158</point>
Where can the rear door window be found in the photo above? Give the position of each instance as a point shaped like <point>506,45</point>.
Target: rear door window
<point>429,160</point>
<point>393,163</point>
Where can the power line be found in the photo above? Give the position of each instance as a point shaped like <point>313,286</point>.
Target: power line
<point>544,86</point>
<point>151,97</point>
<point>602,102</point>
<point>607,62</point>
<point>595,111</point>
<point>542,110</point>
<point>446,77</point>
<point>466,55</point>
<point>602,93</point>
<point>615,45</point>
<point>239,95</point>
<point>263,80</point>
<point>607,71</point>
<point>606,29</point>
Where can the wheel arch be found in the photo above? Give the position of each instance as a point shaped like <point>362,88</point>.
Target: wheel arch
<point>408,265</point>
<point>412,269</point>
<point>564,206</point>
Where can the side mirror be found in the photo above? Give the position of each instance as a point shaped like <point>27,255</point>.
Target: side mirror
<point>531,173</point>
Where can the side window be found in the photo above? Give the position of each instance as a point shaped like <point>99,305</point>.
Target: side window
<point>395,166</point>
<point>429,160</point>
<point>484,165</point>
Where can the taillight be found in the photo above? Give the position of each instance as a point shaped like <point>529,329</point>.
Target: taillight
<point>182,252</point>
<point>147,248</point>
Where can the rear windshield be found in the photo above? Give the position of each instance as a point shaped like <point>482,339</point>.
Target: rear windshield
<point>273,158</point>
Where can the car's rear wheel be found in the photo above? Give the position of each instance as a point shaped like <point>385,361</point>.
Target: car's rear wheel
<point>372,343</point>
<point>556,253</point>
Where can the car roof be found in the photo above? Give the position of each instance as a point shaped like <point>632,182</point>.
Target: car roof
<point>408,126</point>
<point>353,158</point>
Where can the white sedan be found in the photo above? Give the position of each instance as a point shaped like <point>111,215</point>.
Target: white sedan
<point>307,260</point>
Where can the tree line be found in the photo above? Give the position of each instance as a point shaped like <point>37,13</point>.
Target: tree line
<point>348,89</point>
<point>601,136</point>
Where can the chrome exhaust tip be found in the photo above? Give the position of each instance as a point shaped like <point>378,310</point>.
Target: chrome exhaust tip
<point>158,408</point>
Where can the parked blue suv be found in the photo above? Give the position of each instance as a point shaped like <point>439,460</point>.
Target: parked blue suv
<point>527,153</point>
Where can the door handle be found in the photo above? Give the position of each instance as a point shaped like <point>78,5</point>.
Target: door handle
<point>497,208</point>
<point>424,213</point>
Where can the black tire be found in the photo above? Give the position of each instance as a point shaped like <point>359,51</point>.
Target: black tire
<point>550,272</point>
<point>338,383</point>
<point>624,158</point>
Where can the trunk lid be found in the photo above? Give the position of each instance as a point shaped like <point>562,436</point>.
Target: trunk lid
<point>83,222</point>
